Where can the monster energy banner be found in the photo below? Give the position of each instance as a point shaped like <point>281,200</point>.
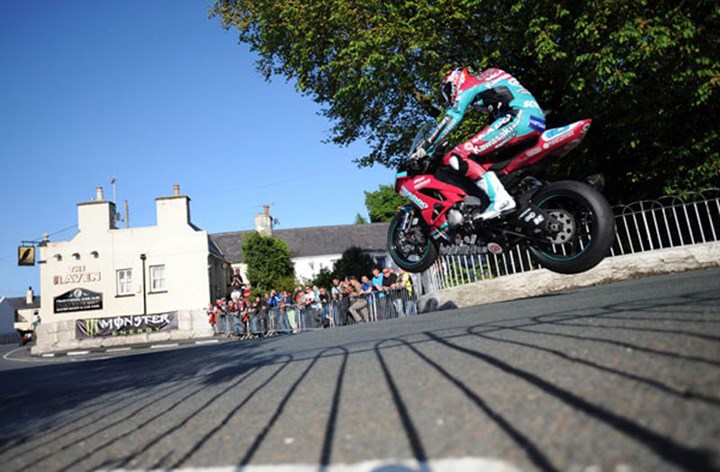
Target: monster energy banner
<point>125,325</point>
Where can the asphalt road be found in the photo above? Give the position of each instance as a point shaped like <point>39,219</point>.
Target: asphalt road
<point>621,377</point>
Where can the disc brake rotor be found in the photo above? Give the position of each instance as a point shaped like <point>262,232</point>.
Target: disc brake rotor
<point>567,227</point>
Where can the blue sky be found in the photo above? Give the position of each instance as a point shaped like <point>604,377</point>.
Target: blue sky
<point>154,93</point>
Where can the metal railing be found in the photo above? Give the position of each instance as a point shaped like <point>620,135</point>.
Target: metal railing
<point>639,227</point>
<point>364,308</point>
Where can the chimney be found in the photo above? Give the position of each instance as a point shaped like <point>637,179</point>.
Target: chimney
<point>263,222</point>
<point>96,216</point>
<point>29,296</point>
<point>173,211</point>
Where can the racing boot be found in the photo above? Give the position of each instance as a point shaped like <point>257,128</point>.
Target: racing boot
<point>500,200</point>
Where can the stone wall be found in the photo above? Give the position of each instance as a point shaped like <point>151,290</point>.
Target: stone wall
<point>541,282</point>
<point>60,336</point>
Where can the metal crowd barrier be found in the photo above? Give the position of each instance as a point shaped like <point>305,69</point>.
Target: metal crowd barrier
<point>372,307</point>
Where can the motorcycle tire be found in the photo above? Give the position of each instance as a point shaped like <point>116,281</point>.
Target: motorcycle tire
<point>588,227</point>
<point>412,248</point>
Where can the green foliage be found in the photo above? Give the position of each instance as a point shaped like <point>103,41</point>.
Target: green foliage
<point>354,261</point>
<point>323,278</point>
<point>360,219</point>
<point>383,203</point>
<point>648,73</point>
<point>268,262</point>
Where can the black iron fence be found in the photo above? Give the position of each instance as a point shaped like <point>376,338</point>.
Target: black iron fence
<point>664,223</point>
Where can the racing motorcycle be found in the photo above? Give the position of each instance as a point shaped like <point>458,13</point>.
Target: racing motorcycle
<point>567,226</point>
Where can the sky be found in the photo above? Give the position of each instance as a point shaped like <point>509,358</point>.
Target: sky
<point>154,93</point>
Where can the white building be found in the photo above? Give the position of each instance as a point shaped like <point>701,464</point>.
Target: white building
<point>17,315</point>
<point>111,286</point>
<point>311,248</point>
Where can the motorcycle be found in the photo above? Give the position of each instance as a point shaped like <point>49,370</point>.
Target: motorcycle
<point>567,226</point>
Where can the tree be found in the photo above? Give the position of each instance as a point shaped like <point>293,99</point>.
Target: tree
<point>268,262</point>
<point>323,278</point>
<point>648,73</point>
<point>360,219</point>
<point>383,203</point>
<point>354,261</point>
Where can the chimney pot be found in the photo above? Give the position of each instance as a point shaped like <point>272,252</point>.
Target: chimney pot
<point>176,190</point>
<point>29,296</point>
<point>99,193</point>
<point>267,209</point>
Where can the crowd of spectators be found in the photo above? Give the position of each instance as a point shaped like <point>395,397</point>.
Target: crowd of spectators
<point>245,314</point>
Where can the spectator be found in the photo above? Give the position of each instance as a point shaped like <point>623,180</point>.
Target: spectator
<point>252,318</point>
<point>212,318</point>
<point>244,315</point>
<point>260,316</point>
<point>358,301</point>
<point>405,281</point>
<point>283,321</point>
<point>324,299</point>
<point>382,305</point>
<point>273,307</point>
<point>240,315</point>
<point>232,314</point>
<point>309,309</point>
<point>377,279</point>
<point>224,322</point>
<point>340,305</point>
<point>368,288</point>
<point>237,280</point>
<point>390,286</point>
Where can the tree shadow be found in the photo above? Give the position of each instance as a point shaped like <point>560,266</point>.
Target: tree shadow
<point>72,397</point>
<point>668,449</point>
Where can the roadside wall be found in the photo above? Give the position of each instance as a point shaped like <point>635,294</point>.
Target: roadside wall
<point>541,282</point>
<point>60,335</point>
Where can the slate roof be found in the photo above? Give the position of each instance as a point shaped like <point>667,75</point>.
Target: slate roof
<point>18,303</point>
<point>313,241</point>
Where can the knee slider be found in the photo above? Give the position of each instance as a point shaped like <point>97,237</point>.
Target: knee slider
<point>458,164</point>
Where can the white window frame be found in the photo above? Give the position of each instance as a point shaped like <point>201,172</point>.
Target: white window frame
<point>124,282</point>
<point>157,278</point>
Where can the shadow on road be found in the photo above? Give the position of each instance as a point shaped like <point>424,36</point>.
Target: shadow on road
<point>178,408</point>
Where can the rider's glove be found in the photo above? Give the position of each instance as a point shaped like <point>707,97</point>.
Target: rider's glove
<point>418,154</point>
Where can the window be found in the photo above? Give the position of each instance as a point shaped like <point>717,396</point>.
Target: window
<point>157,278</point>
<point>124,282</point>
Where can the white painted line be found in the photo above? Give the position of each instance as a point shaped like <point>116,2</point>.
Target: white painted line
<point>78,353</point>
<point>49,355</point>
<point>118,349</point>
<point>209,341</point>
<point>7,354</point>
<point>163,346</point>
<point>445,465</point>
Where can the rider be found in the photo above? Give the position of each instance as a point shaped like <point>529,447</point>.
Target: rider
<point>517,116</point>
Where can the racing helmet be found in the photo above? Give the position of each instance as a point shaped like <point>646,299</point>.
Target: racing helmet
<point>452,82</point>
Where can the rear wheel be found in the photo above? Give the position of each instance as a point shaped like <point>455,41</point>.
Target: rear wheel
<point>587,227</point>
<point>409,242</point>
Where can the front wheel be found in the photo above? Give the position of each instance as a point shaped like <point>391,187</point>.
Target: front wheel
<point>587,231</point>
<point>409,242</point>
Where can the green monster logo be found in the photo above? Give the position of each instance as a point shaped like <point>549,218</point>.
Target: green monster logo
<point>91,327</point>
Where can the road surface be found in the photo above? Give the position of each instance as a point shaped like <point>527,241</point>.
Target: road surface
<point>621,377</point>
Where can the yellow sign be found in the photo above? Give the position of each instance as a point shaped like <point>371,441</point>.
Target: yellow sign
<point>26,255</point>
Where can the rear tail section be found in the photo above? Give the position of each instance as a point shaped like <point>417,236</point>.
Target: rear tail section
<point>553,142</point>
<point>560,141</point>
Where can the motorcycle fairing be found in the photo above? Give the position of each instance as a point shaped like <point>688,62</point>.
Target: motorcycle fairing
<point>554,142</point>
<point>434,195</point>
